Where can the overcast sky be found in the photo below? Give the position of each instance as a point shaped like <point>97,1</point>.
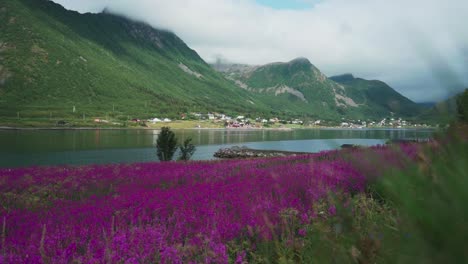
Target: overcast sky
<point>419,47</point>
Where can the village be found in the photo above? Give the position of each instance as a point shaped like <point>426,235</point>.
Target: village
<point>219,120</point>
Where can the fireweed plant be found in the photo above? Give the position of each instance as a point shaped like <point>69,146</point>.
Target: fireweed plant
<point>327,207</point>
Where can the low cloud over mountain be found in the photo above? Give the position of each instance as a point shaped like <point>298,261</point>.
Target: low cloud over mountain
<point>420,47</point>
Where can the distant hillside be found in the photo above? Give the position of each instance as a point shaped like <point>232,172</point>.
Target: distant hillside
<point>427,105</point>
<point>293,86</point>
<point>377,97</point>
<point>56,62</point>
<point>299,85</point>
<point>447,107</point>
<point>444,111</point>
<point>54,59</point>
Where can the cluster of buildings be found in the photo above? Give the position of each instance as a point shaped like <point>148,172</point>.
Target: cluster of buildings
<point>157,120</point>
<point>244,122</point>
<point>386,122</point>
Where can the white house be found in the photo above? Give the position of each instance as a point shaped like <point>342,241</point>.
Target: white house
<point>297,121</point>
<point>155,120</point>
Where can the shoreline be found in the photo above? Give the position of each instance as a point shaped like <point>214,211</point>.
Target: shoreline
<point>141,128</point>
<point>212,128</point>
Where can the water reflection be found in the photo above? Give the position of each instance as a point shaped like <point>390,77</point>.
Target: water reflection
<point>43,147</point>
<point>65,140</point>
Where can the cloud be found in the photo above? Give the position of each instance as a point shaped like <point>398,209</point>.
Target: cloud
<point>420,47</point>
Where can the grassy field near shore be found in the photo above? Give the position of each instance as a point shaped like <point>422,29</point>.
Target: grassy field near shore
<point>53,123</point>
<point>91,123</point>
<point>387,204</point>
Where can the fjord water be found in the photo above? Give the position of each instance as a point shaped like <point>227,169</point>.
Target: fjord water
<point>78,147</point>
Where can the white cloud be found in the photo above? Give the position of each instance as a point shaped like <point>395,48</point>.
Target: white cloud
<point>401,42</point>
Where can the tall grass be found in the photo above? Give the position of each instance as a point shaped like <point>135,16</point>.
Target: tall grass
<point>431,199</point>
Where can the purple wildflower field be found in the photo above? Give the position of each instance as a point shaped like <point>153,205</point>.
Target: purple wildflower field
<point>171,212</point>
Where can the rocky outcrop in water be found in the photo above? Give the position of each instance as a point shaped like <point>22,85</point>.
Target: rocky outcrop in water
<point>245,152</point>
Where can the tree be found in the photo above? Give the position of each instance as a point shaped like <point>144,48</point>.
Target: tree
<point>187,150</point>
<point>166,144</point>
<point>462,106</point>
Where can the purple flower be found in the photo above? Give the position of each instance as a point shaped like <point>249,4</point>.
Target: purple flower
<point>302,232</point>
<point>241,257</point>
<point>332,210</point>
<point>171,212</point>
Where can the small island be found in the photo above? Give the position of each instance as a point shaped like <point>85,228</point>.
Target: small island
<point>244,152</point>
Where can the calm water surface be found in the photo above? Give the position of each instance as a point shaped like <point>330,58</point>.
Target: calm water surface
<point>76,147</point>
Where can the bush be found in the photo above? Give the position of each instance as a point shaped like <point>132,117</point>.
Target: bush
<point>187,150</point>
<point>166,144</point>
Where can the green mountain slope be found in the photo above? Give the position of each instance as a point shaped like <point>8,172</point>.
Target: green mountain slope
<point>377,98</point>
<point>446,110</point>
<point>55,62</point>
<point>293,86</point>
<point>299,85</point>
<point>53,59</point>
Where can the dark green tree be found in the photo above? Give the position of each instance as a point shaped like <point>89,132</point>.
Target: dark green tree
<point>462,106</point>
<point>166,144</point>
<point>187,150</point>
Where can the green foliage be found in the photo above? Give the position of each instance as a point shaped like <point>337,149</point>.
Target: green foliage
<point>444,112</point>
<point>54,59</point>
<point>166,144</point>
<point>356,230</point>
<point>462,106</point>
<point>431,199</point>
<point>186,150</point>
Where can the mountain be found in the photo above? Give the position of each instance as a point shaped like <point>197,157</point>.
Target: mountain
<point>60,63</point>
<point>300,86</point>
<point>377,97</point>
<point>427,105</point>
<point>54,60</point>
<point>294,86</point>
